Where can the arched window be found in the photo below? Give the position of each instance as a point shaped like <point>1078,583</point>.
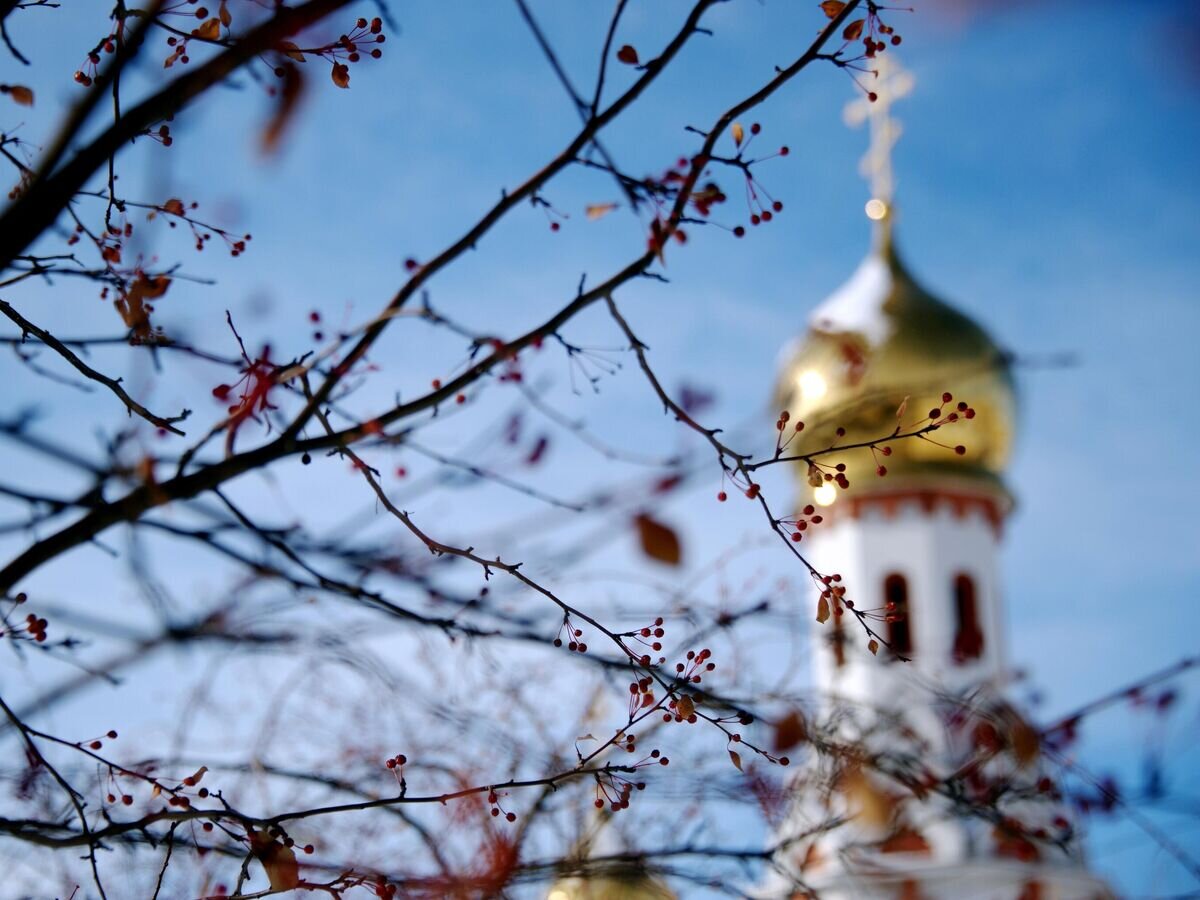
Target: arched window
<point>968,635</point>
<point>899,626</point>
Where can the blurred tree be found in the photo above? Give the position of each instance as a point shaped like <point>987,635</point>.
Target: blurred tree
<point>448,709</point>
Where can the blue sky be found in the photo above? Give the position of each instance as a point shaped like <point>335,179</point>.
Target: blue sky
<point>1047,185</point>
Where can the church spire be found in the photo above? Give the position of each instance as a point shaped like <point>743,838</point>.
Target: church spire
<point>889,83</point>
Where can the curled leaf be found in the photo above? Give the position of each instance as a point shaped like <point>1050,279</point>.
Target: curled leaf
<point>854,30</point>
<point>599,210</point>
<point>341,75</point>
<point>223,15</point>
<point>290,50</point>
<point>658,541</point>
<point>832,8</point>
<point>209,31</point>
<point>628,55</point>
<point>736,759</point>
<point>823,610</point>
<point>873,646</point>
<point>902,407</point>
<point>174,206</point>
<point>685,706</point>
<point>738,133</point>
<point>194,779</point>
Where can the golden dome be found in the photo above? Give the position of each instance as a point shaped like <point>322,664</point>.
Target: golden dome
<point>879,338</point>
<point>633,884</point>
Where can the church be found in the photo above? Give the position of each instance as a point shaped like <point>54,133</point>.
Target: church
<point>942,791</point>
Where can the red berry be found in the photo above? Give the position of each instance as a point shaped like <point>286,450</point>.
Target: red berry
<point>722,496</point>
<point>739,231</point>
<point>777,206</point>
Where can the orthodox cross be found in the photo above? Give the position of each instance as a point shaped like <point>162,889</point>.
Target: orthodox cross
<point>888,84</point>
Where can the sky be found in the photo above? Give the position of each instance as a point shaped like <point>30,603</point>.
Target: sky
<point>1047,186</point>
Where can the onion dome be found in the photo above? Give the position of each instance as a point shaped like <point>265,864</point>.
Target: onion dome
<point>882,338</point>
<point>630,884</point>
<point>622,876</point>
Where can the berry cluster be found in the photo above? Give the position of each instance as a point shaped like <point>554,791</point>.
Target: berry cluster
<point>494,799</point>
<point>572,635</point>
<point>649,636</point>
<point>396,765</point>
<point>36,628</point>
<point>795,527</point>
<point>696,663</point>
<point>641,696</point>
<point>86,73</point>
<point>202,232</point>
<point>614,790</point>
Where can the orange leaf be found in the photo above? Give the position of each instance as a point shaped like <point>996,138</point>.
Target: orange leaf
<point>341,75</point>
<point>21,95</point>
<point>194,779</point>
<point>873,646</point>
<point>290,50</point>
<point>790,731</point>
<point>209,31</point>
<point>902,407</point>
<point>223,14</point>
<point>832,8</point>
<point>822,610</point>
<point>853,31</point>
<point>685,706</point>
<point>599,210</point>
<point>658,541</point>
<point>737,760</point>
<point>288,98</point>
<point>279,861</point>
<point>738,133</point>
<point>174,206</point>
<point>1025,742</point>
<point>874,807</point>
<point>628,55</point>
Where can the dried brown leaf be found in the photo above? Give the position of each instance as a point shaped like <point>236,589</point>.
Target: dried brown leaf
<point>790,731</point>
<point>854,30</point>
<point>290,50</point>
<point>628,55</point>
<point>21,95</point>
<point>832,8</point>
<point>658,541</point>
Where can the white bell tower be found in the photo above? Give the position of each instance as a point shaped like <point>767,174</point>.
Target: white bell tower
<point>937,780</point>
